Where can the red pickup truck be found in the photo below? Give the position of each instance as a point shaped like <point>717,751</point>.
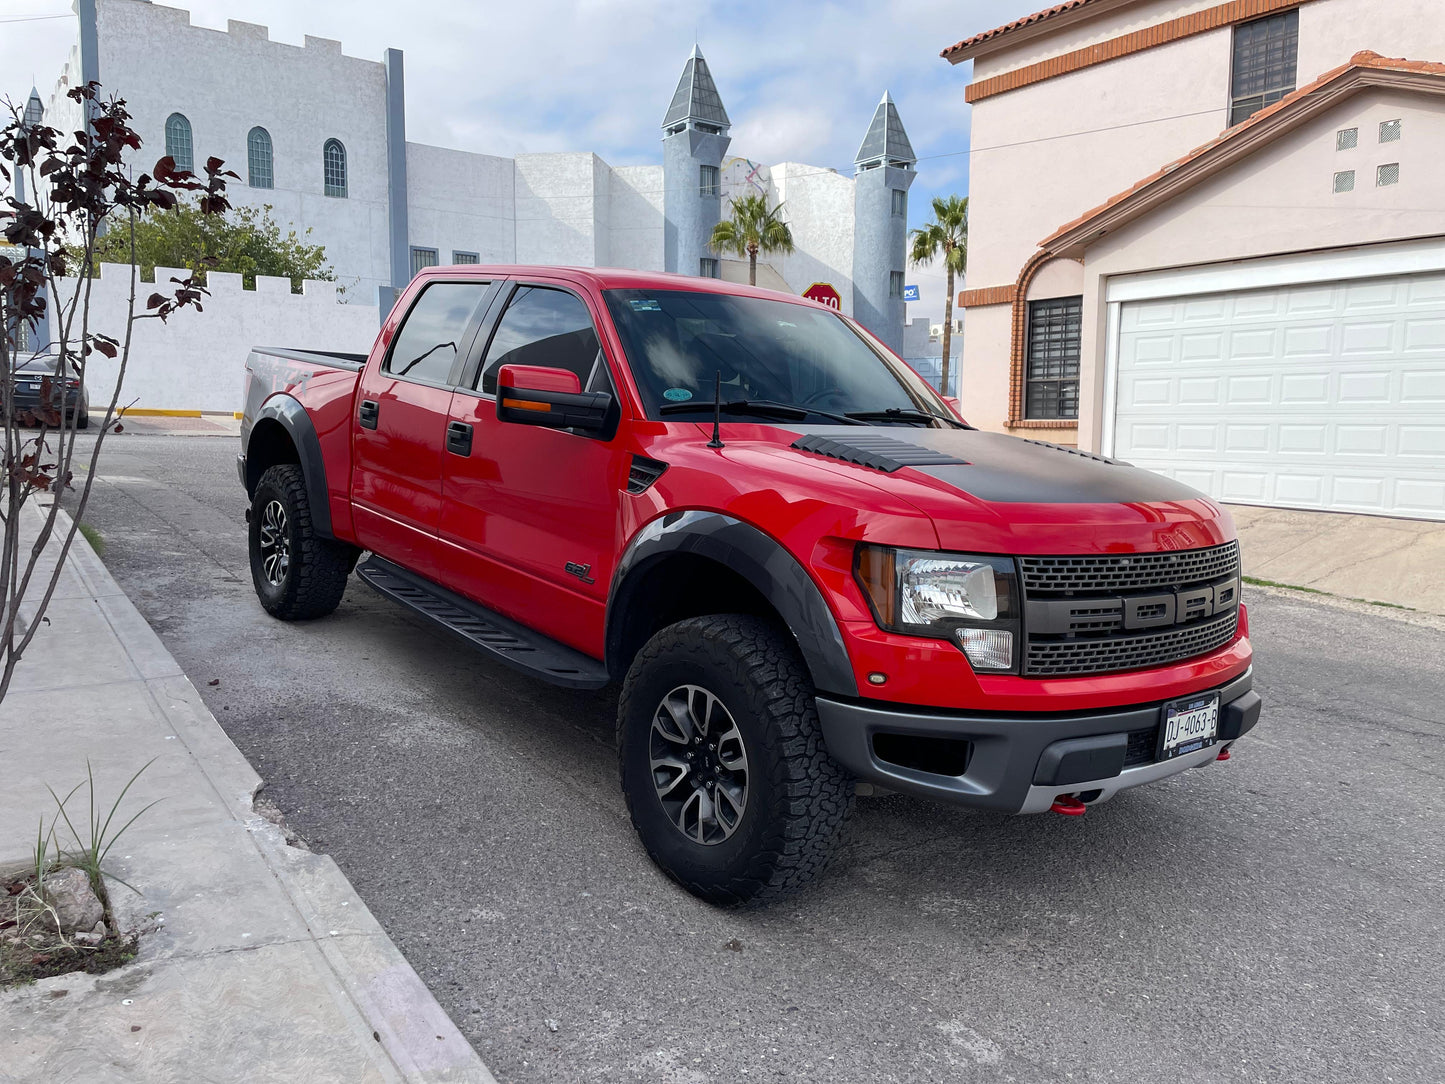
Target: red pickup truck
<point>603,476</point>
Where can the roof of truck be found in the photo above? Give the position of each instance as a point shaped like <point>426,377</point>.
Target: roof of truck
<point>612,278</point>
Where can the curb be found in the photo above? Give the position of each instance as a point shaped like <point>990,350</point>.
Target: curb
<point>389,1008</point>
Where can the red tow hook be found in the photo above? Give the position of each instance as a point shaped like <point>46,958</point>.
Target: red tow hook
<point>1069,806</point>
<point>1223,754</point>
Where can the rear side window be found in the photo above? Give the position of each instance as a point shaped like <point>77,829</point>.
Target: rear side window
<point>549,328</point>
<point>435,329</point>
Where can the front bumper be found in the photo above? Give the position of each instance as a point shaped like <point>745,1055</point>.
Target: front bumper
<point>1021,763</point>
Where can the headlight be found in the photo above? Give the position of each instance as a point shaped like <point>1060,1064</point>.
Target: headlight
<point>967,598</point>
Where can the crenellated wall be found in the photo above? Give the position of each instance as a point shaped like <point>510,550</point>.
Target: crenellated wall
<point>195,360</point>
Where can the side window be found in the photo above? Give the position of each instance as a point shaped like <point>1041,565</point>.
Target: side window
<point>427,344</point>
<point>549,328</point>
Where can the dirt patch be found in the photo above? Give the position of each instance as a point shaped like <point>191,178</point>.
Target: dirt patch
<point>38,939</point>
<point>21,963</point>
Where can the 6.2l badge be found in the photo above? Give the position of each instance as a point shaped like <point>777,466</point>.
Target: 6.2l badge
<point>582,572</point>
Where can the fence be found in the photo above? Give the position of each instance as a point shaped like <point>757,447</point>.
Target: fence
<point>196,360</point>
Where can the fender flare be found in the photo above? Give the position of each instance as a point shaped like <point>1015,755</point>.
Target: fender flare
<point>761,561</point>
<point>292,417</point>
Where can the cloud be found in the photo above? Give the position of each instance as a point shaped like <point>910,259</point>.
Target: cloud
<point>800,80</point>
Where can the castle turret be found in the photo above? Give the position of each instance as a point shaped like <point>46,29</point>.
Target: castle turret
<point>884,164</point>
<point>695,138</point>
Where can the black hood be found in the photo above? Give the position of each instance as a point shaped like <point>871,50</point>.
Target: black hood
<point>991,466</point>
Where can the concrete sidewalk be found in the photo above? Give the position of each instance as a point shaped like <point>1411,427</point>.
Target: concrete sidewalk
<point>263,963</point>
<point>1375,558</point>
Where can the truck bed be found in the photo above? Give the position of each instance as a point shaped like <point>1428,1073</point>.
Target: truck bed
<point>333,358</point>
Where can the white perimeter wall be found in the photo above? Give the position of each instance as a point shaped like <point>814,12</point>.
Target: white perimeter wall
<point>196,360</point>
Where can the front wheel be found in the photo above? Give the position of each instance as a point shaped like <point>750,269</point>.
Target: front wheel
<point>723,765</point>
<point>297,573</point>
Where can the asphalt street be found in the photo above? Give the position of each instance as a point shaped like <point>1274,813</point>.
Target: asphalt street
<point>1274,918</point>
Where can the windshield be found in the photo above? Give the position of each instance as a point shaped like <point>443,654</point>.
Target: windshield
<point>765,351</point>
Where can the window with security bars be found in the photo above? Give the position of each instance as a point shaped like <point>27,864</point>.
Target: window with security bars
<point>1265,52</point>
<point>333,162</point>
<point>422,257</point>
<point>1051,373</point>
<point>707,181</point>
<point>1347,139</point>
<point>1387,174</point>
<point>1345,181</point>
<point>465,257</point>
<point>707,267</point>
<point>895,284</point>
<point>178,142</point>
<point>1390,131</point>
<point>900,202</point>
<point>259,159</point>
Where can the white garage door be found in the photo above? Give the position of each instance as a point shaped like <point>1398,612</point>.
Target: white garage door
<point>1318,396</point>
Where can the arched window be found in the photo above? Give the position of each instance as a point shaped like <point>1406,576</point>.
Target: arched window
<point>178,142</point>
<point>258,158</point>
<point>333,159</point>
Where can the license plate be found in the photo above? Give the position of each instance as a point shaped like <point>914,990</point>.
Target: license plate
<point>1188,725</point>
<point>29,387</point>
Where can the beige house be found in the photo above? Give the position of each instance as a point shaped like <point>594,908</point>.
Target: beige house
<point>1209,238</point>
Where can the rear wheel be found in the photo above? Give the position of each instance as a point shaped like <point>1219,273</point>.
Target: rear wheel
<point>297,573</point>
<point>723,764</point>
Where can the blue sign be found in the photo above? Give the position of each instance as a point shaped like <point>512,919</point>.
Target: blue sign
<point>910,293</point>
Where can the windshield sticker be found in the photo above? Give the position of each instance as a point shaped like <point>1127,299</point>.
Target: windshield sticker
<point>677,395</point>
<point>644,305</point>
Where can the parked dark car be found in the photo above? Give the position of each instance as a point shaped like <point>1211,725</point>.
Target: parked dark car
<point>31,386</point>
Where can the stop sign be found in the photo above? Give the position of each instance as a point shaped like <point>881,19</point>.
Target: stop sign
<point>824,294</point>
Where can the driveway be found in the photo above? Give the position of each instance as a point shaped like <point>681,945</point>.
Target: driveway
<point>1274,918</point>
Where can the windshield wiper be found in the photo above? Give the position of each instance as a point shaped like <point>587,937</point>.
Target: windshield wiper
<point>759,406</point>
<point>899,414</point>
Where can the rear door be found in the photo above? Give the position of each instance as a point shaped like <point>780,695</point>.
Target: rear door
<point>529,523</point>
<point>402,404</point>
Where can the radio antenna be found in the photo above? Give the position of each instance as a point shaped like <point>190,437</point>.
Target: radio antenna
<point>716,441</point>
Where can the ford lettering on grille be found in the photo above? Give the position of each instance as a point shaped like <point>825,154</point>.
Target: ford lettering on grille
<point>1090,615</point>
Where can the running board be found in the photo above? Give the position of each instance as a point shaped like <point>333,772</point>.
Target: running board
<point>490,633</point>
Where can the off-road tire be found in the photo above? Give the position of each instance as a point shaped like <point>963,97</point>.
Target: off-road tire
<point>318,567</point>
<point>798,798</point>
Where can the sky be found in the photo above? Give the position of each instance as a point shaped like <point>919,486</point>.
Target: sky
<point>800,80</point>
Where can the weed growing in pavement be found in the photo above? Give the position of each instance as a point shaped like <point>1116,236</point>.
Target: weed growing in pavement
<point>33,939</point>
<point>92,847</point>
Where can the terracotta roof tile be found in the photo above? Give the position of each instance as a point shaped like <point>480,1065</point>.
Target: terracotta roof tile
<point>1365,59</point>
<point>998,31</point>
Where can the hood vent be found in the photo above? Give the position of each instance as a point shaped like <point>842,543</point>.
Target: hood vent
<point>875,451</point>
<point>1070,451</point>
<point>643,473</point>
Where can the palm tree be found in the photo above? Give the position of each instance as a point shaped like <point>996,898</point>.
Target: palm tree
<point>752,229</point>
<point>946,234</point>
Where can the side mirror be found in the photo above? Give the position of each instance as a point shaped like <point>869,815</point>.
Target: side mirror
<point>952,401</point>
<point>532,395</point>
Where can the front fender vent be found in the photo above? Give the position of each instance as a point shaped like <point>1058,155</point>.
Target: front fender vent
<point>643,473</point>
<point>875,451</point>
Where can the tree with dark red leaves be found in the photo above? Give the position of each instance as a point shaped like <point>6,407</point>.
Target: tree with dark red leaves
<point>75,191</point>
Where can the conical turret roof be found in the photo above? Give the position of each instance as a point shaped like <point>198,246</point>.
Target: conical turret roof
<point>886,141</point>
<point>696,97</point>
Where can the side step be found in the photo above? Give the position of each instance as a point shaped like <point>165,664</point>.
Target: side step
<point>490,633</point>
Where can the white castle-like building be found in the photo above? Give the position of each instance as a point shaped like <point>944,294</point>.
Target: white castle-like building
<point>321,137</point>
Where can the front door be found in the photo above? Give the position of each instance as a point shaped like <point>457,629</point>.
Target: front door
<point>529,520</point>
<point>398,432</point>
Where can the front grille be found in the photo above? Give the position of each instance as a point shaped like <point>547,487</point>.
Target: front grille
<point>1067,658</point>
<point>1045,577</point>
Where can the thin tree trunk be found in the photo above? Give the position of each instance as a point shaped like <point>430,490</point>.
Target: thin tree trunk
<point>947,328</point>
<point>752,266</point>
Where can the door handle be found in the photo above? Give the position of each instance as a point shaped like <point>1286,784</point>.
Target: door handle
<point>367,414</point>
<point>459,438</point>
